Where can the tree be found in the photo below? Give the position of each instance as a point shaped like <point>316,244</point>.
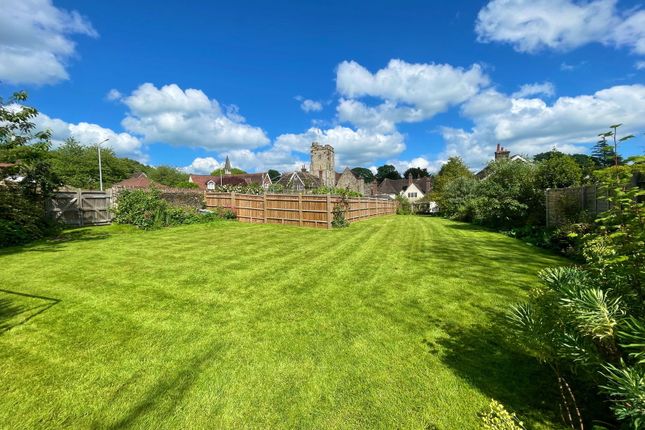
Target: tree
<point>387,171</point>
<point>558,171</point>
<point>587,165</point>
<point>168,175</point>
<point>78,166</point>
<point>274,175</point>
<point>22,200</point>
<point>416,173</point>
<point>451,170</point>
<point>364,173</point>
<point>234,171</point>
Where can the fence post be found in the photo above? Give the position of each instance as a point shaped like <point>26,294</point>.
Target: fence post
<point>233,201</point>
<point>264,207</point>
<point>79,205</point>
<point>329,211</point>
<point>300,208</point>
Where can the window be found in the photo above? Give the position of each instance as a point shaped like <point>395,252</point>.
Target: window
<point>413,195</point>
<point>210,185</point>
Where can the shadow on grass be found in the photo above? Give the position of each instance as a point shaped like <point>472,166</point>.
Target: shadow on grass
<point>163,398</point>
<point>19,308</point>
<point>55,244</point>
<point>483,356</point>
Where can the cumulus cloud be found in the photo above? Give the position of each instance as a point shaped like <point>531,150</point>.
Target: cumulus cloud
<point>308,105</point>
<point>530,125</point>
<point>124,144</point>
<point>188,118</point>
<point>351,147</point>
<point>534,25</point>
<point>202,166</point>
<point>114,95</point>
<point>420,162</point>
<point>545,89</point>
<point>35,41</point>
<point>431,88</point>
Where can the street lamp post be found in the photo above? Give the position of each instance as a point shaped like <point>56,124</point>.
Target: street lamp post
<point>98,148</point>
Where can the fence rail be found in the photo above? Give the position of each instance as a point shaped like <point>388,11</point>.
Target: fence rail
<point>298,209</point>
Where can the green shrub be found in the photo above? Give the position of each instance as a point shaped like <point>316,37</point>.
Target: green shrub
<point>339,220</point>
<point>23,219</point>
<point>404,206</point>
<point>146,210</point>
<point>344,192</point>
<point>496,417</point>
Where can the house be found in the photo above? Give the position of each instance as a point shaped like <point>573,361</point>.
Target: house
<point>139,180</point>
<point>410,188</point>
<point>322,173</point>
<point>299,181</point>
<point>501,153</point>
<point>210,182</point>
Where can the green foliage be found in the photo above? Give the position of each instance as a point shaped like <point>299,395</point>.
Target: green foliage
<point>78,165</point>
<point>404,206</point>
<point>274,175</point>
<point>590,321</point>
<point>416,173</point>
<point>453,169</point>
<point>186,184</point>
<point>507,198</point>
<point>22,202</point>
<point>558,171</point>
<point>275,188</point>
<point>241,189</point>
<point>344,192</point>
<point>387,171</point>
<point>146,210</point>
<point>234,171</point>
<point>364,173</point>
<point>168,175</point>
<point>338,212</point>
<point>496,417</point>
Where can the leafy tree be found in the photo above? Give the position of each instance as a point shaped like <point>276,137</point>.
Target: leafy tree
<point>186,184</point>
<point>387,171</point>
<point>168,175</point>
<point>416,173</point>
<point>364,173</point>
<point>22,201</point>
<point>274,175</point>
<point>234,171</point>
<point>453,169</point>
<point>557,171</point>
<point>587,165</point>
<point>78,166</point>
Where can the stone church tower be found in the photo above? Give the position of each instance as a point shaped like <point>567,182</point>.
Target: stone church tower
<point>322,164</point>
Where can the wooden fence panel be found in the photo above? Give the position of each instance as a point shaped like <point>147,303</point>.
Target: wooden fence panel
<point>80,207</point>
<point>297,209</point>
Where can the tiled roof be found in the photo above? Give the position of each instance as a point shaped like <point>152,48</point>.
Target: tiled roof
<point>140,180</point>
<point>239,179</point>
<point>395,186</point>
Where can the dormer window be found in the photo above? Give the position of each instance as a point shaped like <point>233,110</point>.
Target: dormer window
<point>210,185</point>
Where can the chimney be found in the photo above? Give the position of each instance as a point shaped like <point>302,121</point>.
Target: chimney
<point>410,179</point>
<point>501,153</point>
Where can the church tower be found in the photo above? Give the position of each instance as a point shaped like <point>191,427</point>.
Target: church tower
<point>227,166</point>
<point>322,164</point>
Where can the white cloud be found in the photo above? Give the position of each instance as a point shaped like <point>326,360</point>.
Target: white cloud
<point>534,25</point>
<point>351,147</point>
<point>640,65</point>
<point>202,166</point>
<point>35,43</point>
<point>430,88</point>
<point>545,88</point>
<point>420,162</point>
<point>123,144</point>
<point>188,118</point>
<point>529,126</point>
<point>380,119</point>
<point>114,95</point>
<point>309,105</point>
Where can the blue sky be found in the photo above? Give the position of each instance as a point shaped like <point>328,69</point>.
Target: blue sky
<point>407,82</point>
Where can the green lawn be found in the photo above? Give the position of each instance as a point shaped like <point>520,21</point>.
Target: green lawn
<point>386,324</point>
